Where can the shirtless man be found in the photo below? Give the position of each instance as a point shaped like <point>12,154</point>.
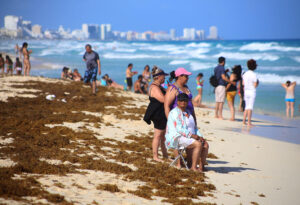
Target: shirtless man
<point>26,62</point>
<point>129,75</point>
<point>2,64</point>
<point>138,86</point>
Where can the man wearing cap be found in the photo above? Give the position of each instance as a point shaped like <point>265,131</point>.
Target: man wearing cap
<point>220,92</point>
<point>93,67</point>
<point>183,132</point>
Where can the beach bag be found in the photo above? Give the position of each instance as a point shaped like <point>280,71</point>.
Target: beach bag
<point>213,81</point>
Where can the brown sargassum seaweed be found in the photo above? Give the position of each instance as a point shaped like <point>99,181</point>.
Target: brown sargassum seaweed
<point>24,120</point>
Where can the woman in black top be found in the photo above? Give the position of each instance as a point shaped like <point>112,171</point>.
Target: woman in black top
<point>155,112</point>
<point>231,89</point>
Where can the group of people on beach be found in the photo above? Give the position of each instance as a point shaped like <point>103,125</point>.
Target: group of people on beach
<point>175,125</point>
<point>8,67</point>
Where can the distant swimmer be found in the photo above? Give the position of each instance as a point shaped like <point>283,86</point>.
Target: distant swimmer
<point>289,97</point>
<point>26,61</point>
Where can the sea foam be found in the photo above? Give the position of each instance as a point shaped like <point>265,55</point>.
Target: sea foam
<point>271,78</point>
<point>247,56</point>
<point>267,47</point>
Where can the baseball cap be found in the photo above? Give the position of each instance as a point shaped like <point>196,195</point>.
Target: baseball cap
<point>182,97</point>
<point>181,71</point>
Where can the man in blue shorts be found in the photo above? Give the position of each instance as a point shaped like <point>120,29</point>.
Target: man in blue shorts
<point>93,67</point>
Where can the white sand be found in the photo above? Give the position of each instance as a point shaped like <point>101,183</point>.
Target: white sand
<point>247,165</point>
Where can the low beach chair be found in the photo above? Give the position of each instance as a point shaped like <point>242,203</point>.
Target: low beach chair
<point>180,156</point>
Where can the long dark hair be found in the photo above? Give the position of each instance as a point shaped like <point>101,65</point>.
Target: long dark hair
<point>237,70</point>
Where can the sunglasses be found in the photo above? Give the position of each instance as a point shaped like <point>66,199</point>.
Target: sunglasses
<point>185,76</point>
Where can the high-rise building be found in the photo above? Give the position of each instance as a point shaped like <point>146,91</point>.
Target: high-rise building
<point>106,32</point>
<point>213,32</point>
<point>12,22</point>
<point>36,29</point>
<point>91,31</point>
<point>189,34</point>
<point>85,30</point>
<point>200,35</point>
<point>26,24</point>
<point>173,34</point>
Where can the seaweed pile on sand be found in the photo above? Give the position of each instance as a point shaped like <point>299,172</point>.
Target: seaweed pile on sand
<point>43,143</point>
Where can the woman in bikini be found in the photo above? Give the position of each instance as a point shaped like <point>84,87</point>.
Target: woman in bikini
<point>155,112</point>
<point>26,62</point>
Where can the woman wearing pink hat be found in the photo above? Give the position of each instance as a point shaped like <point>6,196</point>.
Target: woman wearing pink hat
<point>181,79</point>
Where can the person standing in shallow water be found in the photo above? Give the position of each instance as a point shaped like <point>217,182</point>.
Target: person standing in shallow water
<point>289,97</point>
<point>155,112</point>
<point>93,67</point>
<point>26,62</point>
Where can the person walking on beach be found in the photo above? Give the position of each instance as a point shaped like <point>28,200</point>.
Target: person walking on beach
<point>155,112</point>
<point>93,67</point>
<point>220,74</point>
<point>197,100</point>
<point>250,83</point>
<point>26,62</point>
<point>18,66</point>
<point>289,97</point>
<point>231,89</point>
<point>2,64</point>
<point>129,75</point>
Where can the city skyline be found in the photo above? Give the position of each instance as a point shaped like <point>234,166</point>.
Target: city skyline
<point>17,27</point>
<point>236,20</point>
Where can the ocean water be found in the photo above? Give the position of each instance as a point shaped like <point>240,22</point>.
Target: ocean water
<point>278,61</point>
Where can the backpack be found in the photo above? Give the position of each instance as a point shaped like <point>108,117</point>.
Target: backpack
<point>213,81</point>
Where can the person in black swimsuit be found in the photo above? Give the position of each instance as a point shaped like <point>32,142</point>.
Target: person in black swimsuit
<point>231,88</point>
<point>155,112</point>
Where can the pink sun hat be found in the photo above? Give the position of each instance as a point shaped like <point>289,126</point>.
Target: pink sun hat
<point>181,71</point>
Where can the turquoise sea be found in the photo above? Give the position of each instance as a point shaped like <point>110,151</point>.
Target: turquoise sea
<point>278,61</point>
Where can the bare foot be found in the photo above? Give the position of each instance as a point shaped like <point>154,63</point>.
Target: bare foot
<point>178,166</point>
<point>220,118</point>
<point>157,159</point>
<point>250,125</point>
<point>216,116</point>
<point>231,119</point>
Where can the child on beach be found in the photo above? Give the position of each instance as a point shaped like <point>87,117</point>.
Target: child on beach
<point>139,86</point>
<point>2,63</point>
<point>18,66</point>
<point>129,75</point>
<point>197,100</point>
<point>250,83</point>
<point>9,65</point>
<point>76,75</point>
<point>289,97</point>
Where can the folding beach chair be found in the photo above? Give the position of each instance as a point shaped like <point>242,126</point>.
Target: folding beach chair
<point>180,151</point>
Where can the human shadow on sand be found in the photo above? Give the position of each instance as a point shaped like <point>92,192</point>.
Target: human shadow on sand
<point>216,162</point>
<point>225,170</point>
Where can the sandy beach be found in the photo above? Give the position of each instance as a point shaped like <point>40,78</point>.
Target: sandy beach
<point>85,149</point>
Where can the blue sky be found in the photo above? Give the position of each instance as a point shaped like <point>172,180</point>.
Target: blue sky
<point>235,19</point>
